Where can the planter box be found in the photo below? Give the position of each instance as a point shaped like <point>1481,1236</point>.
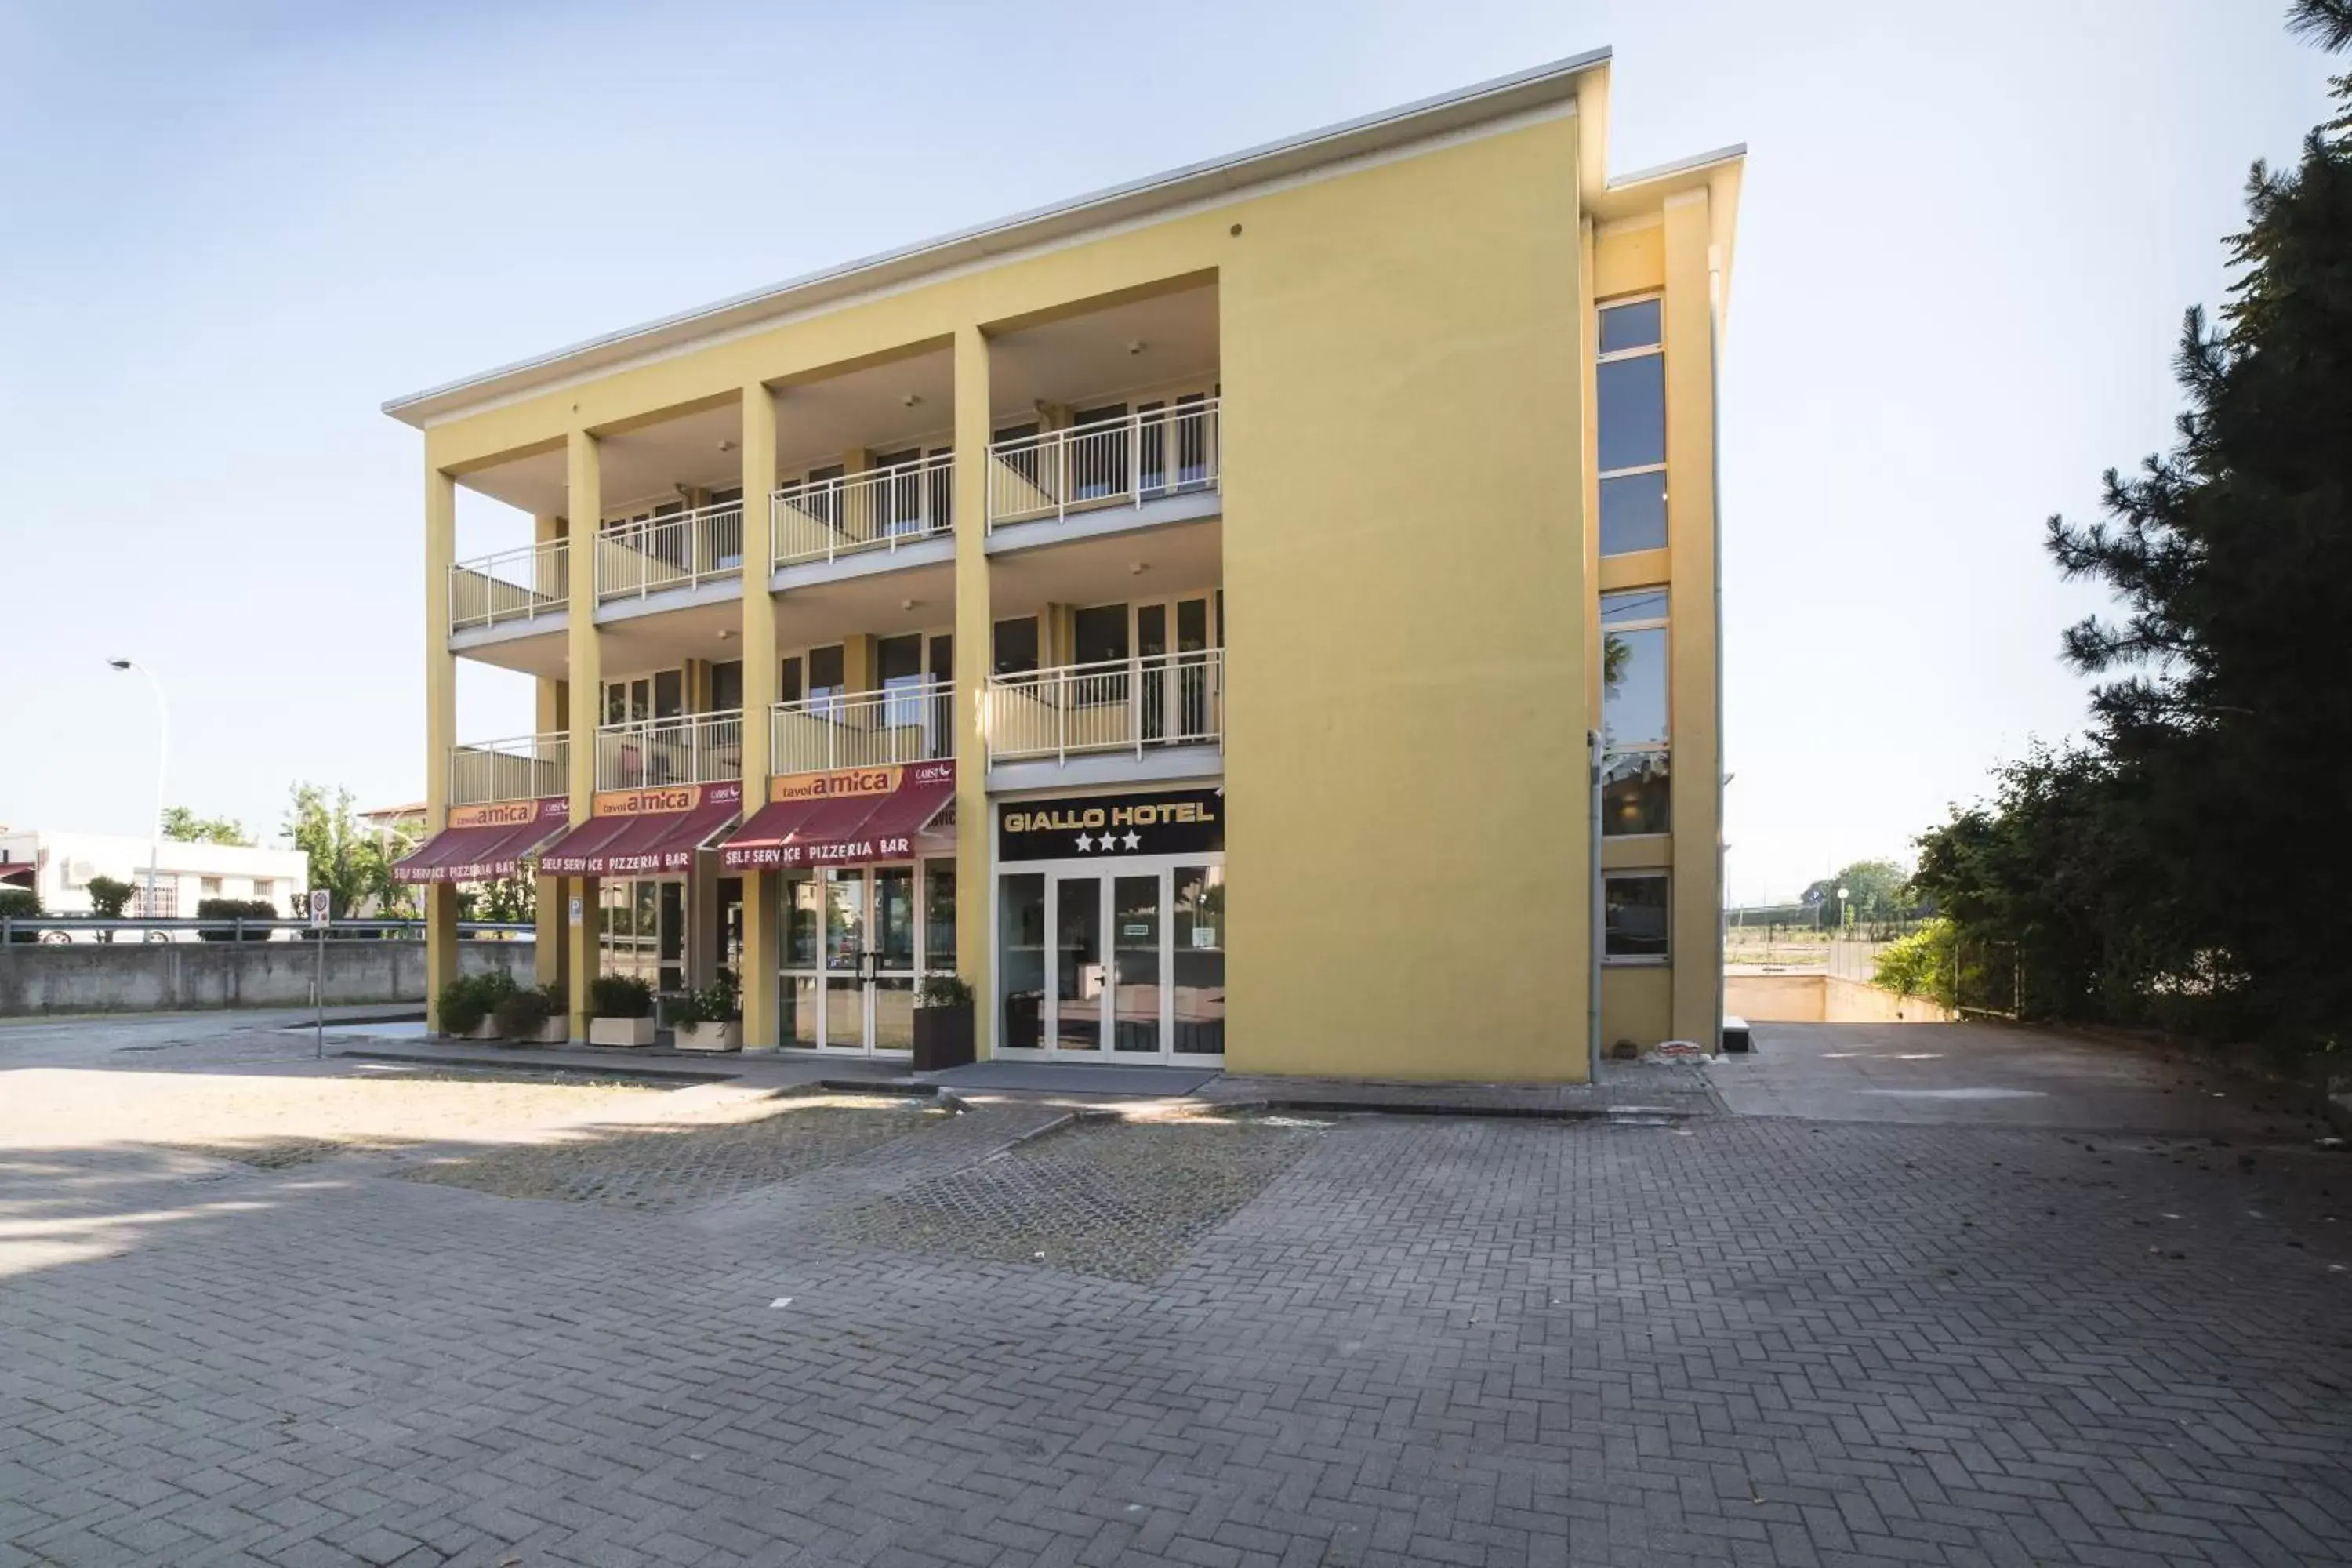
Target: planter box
<point>487,1029</point>
<point>556,1031</point>
<point>620,1031</point>
<point>727,1036</point>
<point>943,1037</point>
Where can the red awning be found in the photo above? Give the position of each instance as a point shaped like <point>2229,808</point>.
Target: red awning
<point>485,841</point>
<point>634,836</point>
<point>846,818</point>
<point>25,872</point>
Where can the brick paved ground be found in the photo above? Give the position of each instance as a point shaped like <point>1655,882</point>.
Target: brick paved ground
<point>1422,1340</point>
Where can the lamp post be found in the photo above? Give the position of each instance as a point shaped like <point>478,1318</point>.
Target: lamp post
<point>163,743</point>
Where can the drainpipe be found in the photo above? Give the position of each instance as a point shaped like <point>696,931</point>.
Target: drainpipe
<point>1598,912</point>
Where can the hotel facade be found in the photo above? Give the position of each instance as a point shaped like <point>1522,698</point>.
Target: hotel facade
<point>1300,525</point>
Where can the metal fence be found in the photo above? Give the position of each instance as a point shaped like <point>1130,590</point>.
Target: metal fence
<point>1126,461</point>
<point>59,930</point>
<point>1967,975</point>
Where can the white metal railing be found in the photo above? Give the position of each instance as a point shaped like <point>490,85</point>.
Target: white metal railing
<point>913,723</point>
<point>693,748</point>
<point>1119,705</point>
<point>819,520</point>
<point>1145,455</point>
<point>678,550</point>
<point>511,585</point>
<point>522,768</point>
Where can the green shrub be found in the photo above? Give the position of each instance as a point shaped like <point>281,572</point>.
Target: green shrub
<point>619,997</point>
<point>110,895</point>
<point>1919,964</point>
<point>711,1005</point>
<point>523,1014</point>
<point>466,1001</point>
<point>943,991</point>
<point>235,910</point>
<point>23,903</point>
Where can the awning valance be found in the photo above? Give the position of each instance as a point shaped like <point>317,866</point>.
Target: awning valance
<point>850,816</point>
<point>643,832</point>
<point>485,841</point>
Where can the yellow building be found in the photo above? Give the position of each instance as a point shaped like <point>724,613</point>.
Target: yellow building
<point>983,606</point>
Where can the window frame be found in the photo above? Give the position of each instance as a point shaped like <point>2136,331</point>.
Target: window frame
<point>1600,309</point>
<point>1638,959</point>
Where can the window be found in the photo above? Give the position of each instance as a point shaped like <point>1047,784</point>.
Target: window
<point>210,887</point>
<point>828,674</point>
<point>1016,645</point>
<point>1634,926</point>
<point>939,916</point>
<point>1098,633</point>
<point>727,686</point>
<point>1635,712</point>
<point>1631,391</point>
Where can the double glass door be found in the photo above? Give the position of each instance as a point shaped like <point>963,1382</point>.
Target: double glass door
<point>849,959</point>
<point>1124,964</point>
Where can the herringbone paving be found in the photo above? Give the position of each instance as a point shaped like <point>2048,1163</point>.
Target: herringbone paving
<point>1423,1340</point>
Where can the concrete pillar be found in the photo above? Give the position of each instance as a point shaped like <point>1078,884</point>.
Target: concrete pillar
<point>440,728</point>
<point>761,916</point>
<point>1694,628</point>
<point>975,882</point>
<point>548,967</point>
<point>583,676</point>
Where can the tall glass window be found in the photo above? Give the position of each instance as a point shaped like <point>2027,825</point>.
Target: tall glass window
<point>1020,957</point>
<point>1634,712</point>
<point>1631,391</point>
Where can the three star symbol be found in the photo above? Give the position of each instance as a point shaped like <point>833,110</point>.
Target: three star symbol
<point>1132,841</point>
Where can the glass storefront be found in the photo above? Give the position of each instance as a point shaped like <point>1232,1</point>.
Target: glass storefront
<point>644,930</point>
<point>1132,887</point>
<point>857,941</point>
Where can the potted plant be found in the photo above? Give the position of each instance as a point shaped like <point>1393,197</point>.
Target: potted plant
<point>534,1016</point>
<point>705,1020</point>
<point>467,1003</point>
<point>943,1031</point>
<point>620,1011</point>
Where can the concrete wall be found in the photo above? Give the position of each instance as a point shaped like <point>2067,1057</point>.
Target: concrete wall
<point>1823,999</point>
<point>170,976</point>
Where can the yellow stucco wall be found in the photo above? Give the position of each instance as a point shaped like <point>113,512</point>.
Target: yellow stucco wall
<point>1637,1004</point>
<point>1406,840</point>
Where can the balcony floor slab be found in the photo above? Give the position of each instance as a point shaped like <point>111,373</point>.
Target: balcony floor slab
<point>1105,522</point>
<point>1157,764</point>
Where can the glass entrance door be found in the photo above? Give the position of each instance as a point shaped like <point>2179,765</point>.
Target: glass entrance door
<point>1122,964</point>
<point>844,958</point>
<point>851,957</point>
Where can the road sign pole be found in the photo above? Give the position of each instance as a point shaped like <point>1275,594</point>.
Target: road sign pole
<point>321,913</point>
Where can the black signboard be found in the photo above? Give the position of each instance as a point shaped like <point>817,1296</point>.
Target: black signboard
<point>1125,822</point>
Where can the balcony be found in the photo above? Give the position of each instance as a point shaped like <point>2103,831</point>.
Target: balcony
<point>523,768</point>
<point>511,587</point>
<point>1126,711</point>
<point>693,748</point>
<point>881,509</point>
<point>682,550</point>
<point>911,723</point>
<point>1137,462</point>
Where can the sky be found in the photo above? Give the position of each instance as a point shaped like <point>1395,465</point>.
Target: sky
<point>230,231</point>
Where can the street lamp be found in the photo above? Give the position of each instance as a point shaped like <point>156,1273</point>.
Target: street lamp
<point>1845,910</point>
<point>162,742</point>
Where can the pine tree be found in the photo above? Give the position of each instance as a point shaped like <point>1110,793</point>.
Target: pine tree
<point>2227,718</point>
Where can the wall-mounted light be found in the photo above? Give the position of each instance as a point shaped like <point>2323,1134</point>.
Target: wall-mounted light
<point>1138,568</point>
<point>1135,346</point>
<point>726,445</point>
<point>911,399</point>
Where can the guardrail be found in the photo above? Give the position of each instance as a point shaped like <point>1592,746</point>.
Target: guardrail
<point>1117,705</point>
<point>60,929</point>
<point>512,585</point>
<point>1145,456</point>
<point>882,508</point>
<point>913,723</point>
<point>682,550</point>
<point>694,748</point>
<point>524,767</point>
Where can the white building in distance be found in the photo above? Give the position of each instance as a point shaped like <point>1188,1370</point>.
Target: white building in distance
<point>58,866</point>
